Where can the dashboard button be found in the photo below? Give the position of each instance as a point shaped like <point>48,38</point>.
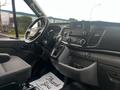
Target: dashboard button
<point>82,42</point>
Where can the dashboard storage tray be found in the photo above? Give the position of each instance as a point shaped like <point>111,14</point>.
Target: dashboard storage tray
<point>77,68</point>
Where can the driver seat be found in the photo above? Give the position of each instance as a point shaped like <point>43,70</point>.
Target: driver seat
<point>13,70</point>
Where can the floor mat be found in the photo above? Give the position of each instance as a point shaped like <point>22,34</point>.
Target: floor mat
<point>48,82</point>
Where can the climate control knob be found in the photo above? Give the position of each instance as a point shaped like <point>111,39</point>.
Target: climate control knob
<point>82,42</point>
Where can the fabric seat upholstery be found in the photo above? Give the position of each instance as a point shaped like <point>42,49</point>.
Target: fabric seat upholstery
<point>14,70</point>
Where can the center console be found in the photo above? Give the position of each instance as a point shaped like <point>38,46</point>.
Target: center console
<point>70,63</point>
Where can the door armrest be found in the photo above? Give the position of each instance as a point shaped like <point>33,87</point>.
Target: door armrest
<point>4,57</point>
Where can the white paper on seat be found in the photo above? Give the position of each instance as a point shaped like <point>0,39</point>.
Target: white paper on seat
<point>48,82</point>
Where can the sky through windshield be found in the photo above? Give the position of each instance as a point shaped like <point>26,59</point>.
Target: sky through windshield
<point>93,10</point>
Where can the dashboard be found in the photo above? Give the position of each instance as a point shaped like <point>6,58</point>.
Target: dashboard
<point>84,34</point>
<point>88,52</point>
<point>101,36</point>
<point>93,35</point>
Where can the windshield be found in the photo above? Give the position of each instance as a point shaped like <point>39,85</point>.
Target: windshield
<point>89,10</point>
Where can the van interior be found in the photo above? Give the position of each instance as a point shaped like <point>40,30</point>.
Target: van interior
<point>83,55</point>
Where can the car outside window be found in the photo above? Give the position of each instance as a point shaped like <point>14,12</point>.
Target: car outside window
<point>24,17</point>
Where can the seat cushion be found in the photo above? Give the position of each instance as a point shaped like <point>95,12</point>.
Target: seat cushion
<point>14,70</point>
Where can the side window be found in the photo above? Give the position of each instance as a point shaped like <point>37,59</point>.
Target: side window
<point>24,17</point>
<point>6,20</point>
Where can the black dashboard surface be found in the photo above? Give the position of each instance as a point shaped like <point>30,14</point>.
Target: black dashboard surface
<point>97,35</point>
<point>90,35</point>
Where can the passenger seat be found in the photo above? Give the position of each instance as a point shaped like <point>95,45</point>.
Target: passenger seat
<point>13,70</point>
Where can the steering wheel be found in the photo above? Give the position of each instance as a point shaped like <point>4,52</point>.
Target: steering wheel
<point>34,32</point>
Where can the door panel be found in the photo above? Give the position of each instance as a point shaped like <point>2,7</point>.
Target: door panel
<point>11,46</point>
<point>16,47</point>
